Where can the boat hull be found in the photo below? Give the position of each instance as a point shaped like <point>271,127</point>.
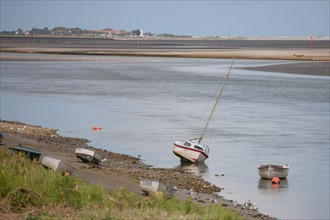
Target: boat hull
<point>56,164</point>
<point>29,152</point>
<point>188,154</point>
<point>87,155</point>
<point>270,171</point>
<point>152,186</point>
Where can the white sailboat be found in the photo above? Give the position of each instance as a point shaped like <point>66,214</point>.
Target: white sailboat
<point>192,150</point>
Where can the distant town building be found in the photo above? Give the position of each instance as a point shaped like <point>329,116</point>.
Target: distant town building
<point>111,33</point>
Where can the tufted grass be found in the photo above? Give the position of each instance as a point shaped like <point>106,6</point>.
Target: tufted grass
<point>32,192</point>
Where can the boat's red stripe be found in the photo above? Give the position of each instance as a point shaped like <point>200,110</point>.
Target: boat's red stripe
<point>188,148</point>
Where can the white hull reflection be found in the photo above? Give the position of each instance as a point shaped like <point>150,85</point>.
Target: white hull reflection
<point>196,169</point>
<point>266,187</point>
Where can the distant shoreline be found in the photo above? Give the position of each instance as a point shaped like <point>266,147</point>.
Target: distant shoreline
<point>315,38</point>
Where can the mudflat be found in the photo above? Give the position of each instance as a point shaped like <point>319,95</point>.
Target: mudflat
<point>305,68</point>
<point>118,170</point>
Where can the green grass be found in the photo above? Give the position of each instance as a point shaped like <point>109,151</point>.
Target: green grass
<point>28,189</point>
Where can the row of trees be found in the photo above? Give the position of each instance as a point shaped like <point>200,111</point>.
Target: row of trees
<point>58,31</point>
<point>63,31</point>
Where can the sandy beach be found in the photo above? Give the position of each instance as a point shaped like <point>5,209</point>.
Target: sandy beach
<point>118,170</point>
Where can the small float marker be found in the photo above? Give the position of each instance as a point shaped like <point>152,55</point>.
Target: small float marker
<point>95,128</point>
<point>311,45</point>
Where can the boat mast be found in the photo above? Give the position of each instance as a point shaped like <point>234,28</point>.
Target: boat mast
<point>216,103</point>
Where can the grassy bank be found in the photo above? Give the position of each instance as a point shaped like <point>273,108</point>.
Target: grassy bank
<point>28,191</point>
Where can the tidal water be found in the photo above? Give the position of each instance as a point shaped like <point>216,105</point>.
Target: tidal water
<point>144,104</point>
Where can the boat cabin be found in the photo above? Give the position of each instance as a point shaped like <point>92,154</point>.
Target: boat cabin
<point>204,148</point>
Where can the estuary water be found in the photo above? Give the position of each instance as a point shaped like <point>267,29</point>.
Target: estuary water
<point>144,104</point>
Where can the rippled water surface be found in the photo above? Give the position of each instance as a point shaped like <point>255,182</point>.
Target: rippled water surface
<point>144,104</point>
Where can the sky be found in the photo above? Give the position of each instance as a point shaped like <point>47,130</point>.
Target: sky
<point>180,17</point>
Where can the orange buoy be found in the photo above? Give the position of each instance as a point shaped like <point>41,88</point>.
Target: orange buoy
<point>276,180</point>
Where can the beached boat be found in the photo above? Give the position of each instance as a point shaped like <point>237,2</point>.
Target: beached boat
<point>56,165</point>
<point>152,186</point>
<point>29,152</point>
<point>87,155</point>
<point>269,171</point>
<point>192,150</point>
<point>1,138</point>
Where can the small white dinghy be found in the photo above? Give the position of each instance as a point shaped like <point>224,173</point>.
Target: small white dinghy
<point>152,186</point>
<point>87,155</point>
<point>269,171</point>
<point>56,165</point>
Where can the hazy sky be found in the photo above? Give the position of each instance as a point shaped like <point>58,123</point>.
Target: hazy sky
<point>199,18</point>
